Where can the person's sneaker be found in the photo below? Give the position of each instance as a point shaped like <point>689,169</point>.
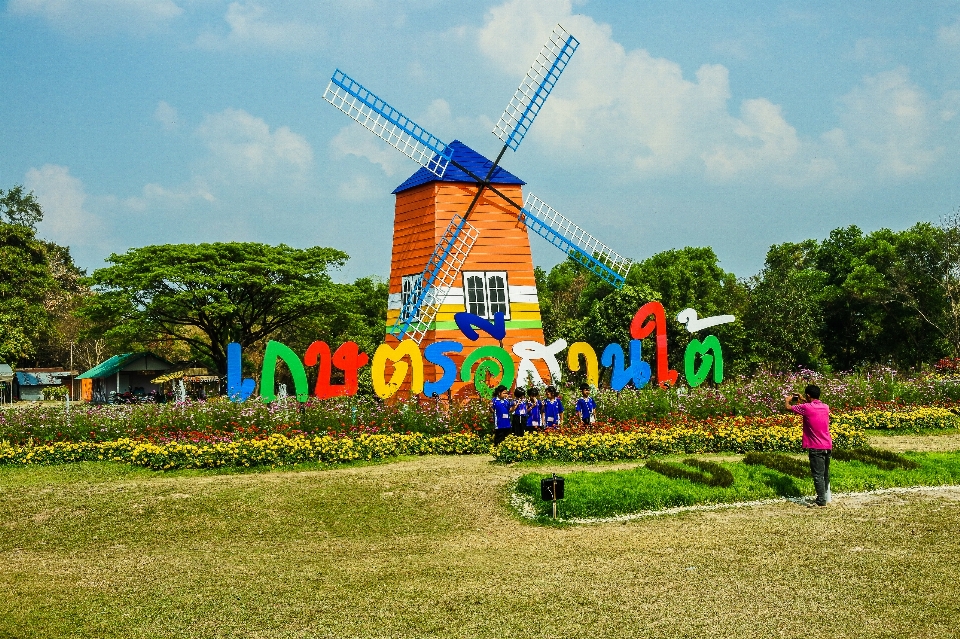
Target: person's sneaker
<point>815,504</point>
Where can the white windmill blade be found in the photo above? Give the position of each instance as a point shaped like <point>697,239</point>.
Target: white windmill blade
<point>536,86</point>
<point>387,123</point>
<point>579,245</point>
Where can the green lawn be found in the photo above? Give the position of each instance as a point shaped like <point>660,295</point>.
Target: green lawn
<point>619,492</point>
<point>428,547</point>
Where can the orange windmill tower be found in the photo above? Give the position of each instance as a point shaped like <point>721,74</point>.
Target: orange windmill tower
<point>460,241</point>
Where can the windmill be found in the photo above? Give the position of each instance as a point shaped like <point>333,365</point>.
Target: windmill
<point>424,291</point>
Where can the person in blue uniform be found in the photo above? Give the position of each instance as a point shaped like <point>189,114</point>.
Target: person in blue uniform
<point>586,407</point>
<point>501,414</point>
<point>552,409</point>
<point>535,419</point>
<point>519,410</point>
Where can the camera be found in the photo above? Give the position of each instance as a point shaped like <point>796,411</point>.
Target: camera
<point>795,398</point>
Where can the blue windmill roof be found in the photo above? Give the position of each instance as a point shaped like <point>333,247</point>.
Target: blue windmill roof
<point>469,159</point>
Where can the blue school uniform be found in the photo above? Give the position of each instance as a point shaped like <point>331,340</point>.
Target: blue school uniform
<point>552,409</point>
<point>519,408</point>
<point>586,407</point>
<point>501,420</point>
<point>501,410</point>
<point>535,421</point>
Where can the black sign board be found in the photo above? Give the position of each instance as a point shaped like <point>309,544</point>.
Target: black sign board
<point>547,490</point>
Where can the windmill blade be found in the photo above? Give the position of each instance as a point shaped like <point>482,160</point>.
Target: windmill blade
<point>574,241</point>
<point>536,86</point>
<point>441,271</point>
<point>387,123</point>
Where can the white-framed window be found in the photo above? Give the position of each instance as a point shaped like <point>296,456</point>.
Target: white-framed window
<point>409,291</point>
<point>486,293</point>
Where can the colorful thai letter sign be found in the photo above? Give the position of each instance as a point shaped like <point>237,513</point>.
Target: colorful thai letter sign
<point>488,362</point>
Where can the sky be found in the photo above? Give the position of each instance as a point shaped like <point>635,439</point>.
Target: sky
<point>731,125</point>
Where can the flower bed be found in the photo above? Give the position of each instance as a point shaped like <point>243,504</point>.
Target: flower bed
<point>275,450</point>
<point>781,433</point>
<point>224,421</point>
<point>631,439</point>
<point>628,410</point>
<point>914,419</point>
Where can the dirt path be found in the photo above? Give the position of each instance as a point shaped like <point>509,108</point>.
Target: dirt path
<point>918,443</point>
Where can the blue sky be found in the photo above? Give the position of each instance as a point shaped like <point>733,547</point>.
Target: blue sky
<point>734,125</point>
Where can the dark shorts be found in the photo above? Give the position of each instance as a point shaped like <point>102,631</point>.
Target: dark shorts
<point>519,424</point>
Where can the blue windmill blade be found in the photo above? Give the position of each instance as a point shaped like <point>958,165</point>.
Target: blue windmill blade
<point>536,86</point>
<point>387,123</point>
<point>579,245</point>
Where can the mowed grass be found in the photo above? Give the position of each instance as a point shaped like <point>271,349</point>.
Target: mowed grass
<point>619,492</point>
<point>428,548</point>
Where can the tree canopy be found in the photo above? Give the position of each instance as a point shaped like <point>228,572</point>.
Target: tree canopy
<point>19,208</point>
<point>852,299</point>
<point>207,295</point>
<point>38,280</point>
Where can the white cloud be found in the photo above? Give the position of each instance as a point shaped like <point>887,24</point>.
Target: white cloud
<point>358,189</point>
<point>356,141</point>
<point>630,112</point>
<point>250,25</point>
<point>243,149</point>
<point>949,36</point>
<point>66,219</point>
<point>167,116</point>
<point>893,123</point>
<point>630,109</point>
<point>762,138</point>
<point>156,195</point>
<point>99,15</point>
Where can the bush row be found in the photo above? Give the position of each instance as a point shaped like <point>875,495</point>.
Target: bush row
<point>708,473</point>
<point>780,463</point>
<point>882,459</point>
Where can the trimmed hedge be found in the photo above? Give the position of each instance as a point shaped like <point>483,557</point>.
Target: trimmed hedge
<point>709,473</point>
<point>882,459</point>
<point>780,463</point>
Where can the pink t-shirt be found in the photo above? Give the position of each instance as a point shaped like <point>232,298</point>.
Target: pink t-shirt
<point>816,424</point>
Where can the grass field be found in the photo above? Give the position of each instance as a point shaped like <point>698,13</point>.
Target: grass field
<point>592,494</point>
<point>427,547</point>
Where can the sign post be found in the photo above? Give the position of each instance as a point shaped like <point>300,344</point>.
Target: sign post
<point>551,489</point>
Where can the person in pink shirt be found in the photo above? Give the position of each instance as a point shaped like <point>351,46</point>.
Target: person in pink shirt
<point>816,437</point>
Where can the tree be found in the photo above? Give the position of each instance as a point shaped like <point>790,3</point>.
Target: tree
<point>207,295</point>
<point>24,284</point>
<point>567,295</point>
<point>691,277</point>
<point>38,283</point>
<point>880,300</point>
<point>20,209</point>
<point>359,318</point>
<point>784,317</point>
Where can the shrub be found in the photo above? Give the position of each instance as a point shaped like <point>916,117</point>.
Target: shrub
<point>780,463</point>
<point>882,459</point>
<point>51,393</point>
<point>709,473</point>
